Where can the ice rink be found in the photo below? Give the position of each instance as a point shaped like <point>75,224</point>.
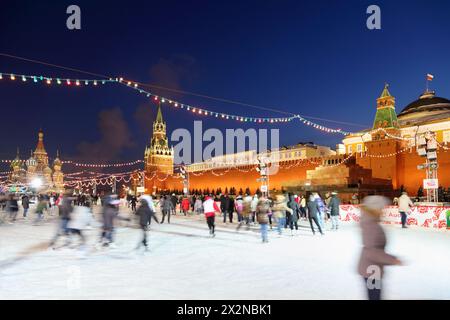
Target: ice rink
<point>185,263</point>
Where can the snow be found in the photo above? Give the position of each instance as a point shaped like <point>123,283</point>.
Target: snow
<point>185,263</point>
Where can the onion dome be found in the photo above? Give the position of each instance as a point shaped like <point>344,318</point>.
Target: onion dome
<point>16,162</point>
<point>427,108</point>
<point>57,161</point>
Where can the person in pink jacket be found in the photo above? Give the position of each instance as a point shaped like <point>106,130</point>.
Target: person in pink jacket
<point>210,208</point>
<point>373,255</point>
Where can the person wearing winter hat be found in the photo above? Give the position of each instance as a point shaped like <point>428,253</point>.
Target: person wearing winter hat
<point>373,255</point>
<point>333,207</point>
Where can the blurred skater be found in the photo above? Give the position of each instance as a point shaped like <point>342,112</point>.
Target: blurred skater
<point>279,211</point>
<point>245,212</point>
<point>12,207</point>
<point>373,256</point>
<point>65,210</point>
<point>262,216</point>
<point>110,212</point>
<point>41,206</point>
<point>146,213</point>
<point>81,218</point>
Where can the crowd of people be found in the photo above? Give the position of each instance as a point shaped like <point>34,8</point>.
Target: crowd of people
<point>75,215</point>
<point>284,210</point>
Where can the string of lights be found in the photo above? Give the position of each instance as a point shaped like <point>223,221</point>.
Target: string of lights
<point>105,165</point>
<point>163,100</point>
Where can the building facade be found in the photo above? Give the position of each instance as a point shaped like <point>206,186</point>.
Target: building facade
<point>25,172</point>
<point>383,158</point>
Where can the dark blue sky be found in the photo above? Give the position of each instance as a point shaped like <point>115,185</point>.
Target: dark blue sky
<point>315,58</point>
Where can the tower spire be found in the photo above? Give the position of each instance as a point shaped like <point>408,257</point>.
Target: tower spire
<point>159,117</point>
<point>385,92</point>
<point>386,116</point>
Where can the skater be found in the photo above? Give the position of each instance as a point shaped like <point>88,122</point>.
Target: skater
<point>238,205</point>
<point>25,205</point>
<point>185,205</point>
<point>279,211</point>
<point>145,212</point>
<point>322,209</point>
<point>313,214</point>
<point>246,212</point>
<point>198,206</point>
<point>270,213</point>
<point>210,208</point>
<point>333,206</point>
<point>51,204</point>
<point>404,204</point>
<point>226,205</point>
<point>253,207</point>
<point>110,212</point>
<point>174,201</point>
<point>81,217</point>
<point>262,216</point>
<point>293,218</point>
<point>133,202</point>
<point>303,207</point>
<point>373,256</point>
<point>65,210</point>
<point>41,206</point>
<point>12,207</point>
<point>167,207</point>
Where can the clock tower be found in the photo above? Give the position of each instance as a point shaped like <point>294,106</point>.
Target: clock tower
<point>158,157</point>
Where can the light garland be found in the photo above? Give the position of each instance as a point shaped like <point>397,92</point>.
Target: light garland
<point>107,165</point>
<point>187,107</point>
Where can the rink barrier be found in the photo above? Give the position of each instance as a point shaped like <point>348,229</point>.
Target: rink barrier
<point>422,216</point>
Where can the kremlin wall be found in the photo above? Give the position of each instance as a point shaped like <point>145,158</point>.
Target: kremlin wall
<point>383,158</point>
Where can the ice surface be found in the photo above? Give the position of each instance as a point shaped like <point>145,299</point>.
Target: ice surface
<point>185,263</point>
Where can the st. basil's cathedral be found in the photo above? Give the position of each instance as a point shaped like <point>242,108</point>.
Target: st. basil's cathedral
<point>24,172</point>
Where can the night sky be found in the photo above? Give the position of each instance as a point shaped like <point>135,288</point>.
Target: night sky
<point>315,58</point>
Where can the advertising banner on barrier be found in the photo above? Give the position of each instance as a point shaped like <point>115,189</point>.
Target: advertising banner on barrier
<point>422,216</point>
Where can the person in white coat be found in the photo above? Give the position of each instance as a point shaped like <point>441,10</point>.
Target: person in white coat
<point>81,218</point>
<point>404,204</point>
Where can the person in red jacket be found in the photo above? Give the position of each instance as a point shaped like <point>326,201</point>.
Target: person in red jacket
<point>185,205</point>
<point>210,208</point>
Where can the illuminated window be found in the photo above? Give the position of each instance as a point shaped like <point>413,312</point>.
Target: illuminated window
<point>349,149</point>
<point>359,147</point>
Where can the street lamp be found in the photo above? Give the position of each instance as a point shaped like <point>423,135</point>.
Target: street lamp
<point>427,148</point>
<point>184,174</point>
<point>264,179</point>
